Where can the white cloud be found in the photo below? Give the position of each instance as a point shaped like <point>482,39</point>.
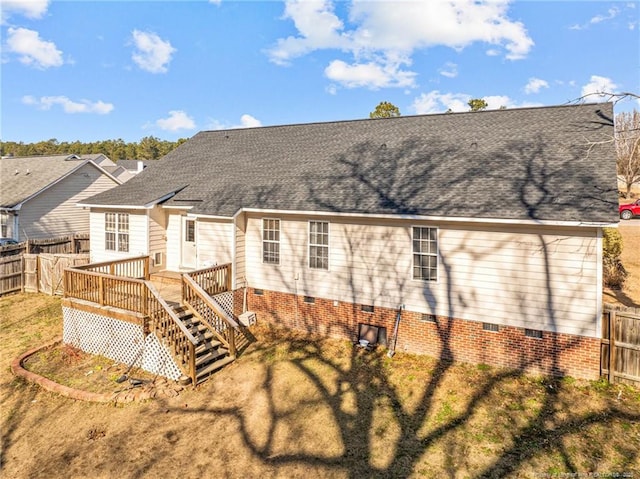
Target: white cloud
<point>449,70</point>
<point>152,53</point>
<point>177,120</point>
<point>68,106</point>
<point>33,9</point>
<point>534,85</point>
<point>246,121</point>
<point>612,13</point>
<point>32,50</point>
<point>371,75</point>
<point>436,102</point>
<point>332,89</point>
<point>598,85</point>
<point>385,35</point>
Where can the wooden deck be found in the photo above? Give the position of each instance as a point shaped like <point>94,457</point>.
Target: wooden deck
<point>169,285</point>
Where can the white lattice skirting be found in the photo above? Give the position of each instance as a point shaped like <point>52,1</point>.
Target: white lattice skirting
<point>225,300</point>
<point>118,340</point>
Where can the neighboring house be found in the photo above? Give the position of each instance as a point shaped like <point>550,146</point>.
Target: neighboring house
<point>123,169</point>
<point>39,195</point>
<point>484,227</point>
<point>133,166</point>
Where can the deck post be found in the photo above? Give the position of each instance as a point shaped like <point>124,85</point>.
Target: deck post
<point>101,290</point>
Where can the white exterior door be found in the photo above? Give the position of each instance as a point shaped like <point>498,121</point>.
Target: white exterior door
<point>189,249</point>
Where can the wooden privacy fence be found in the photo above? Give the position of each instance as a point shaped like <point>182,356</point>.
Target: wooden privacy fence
<point>620,347</point>
<point>72,244</point>
<point>37,272</point>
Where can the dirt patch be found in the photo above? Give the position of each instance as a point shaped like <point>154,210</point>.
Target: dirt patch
<point>73,373</point>
<point>296,406</point>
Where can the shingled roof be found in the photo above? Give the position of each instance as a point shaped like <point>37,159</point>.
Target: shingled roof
<point>23,177</point>
<point>547,163</point>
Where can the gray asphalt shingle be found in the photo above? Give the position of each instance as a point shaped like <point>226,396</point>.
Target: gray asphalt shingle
<point>549,163</point>
<point>22,177</point>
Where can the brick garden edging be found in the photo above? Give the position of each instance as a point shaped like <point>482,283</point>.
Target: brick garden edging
<point>18,370</point>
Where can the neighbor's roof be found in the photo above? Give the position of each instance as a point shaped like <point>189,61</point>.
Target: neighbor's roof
<point>546,163</point>
<point>23,177</point>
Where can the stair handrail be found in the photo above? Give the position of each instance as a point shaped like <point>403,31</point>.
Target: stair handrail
<point>195,341</point>
<point>190,284</point>
<point>185,352</point>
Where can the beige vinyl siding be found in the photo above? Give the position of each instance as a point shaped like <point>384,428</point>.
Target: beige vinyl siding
<point>174,238</point>
<point>214,241</point>
<point>54,213</point>
<point>240,250</point>
<point>539,278</point>
<point>157,235</point>
<point>138,235</point>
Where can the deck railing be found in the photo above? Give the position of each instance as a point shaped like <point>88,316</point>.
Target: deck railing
<point>164,321</point>
<point>137,267</point>
<point>214,280</point>
<point>106,290</point>
<point>219,322</point>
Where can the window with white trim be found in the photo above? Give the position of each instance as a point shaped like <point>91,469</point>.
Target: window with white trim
<point>116,232</point>
<point>4,224</point>
<point>425,253</point>
<point>319,245</point>
<point>271,241</point>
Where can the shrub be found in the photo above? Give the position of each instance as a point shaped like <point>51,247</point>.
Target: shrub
<point>613,272</point>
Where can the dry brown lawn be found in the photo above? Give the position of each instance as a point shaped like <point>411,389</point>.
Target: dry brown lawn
<point>630,293</point>
<point>295,408</point>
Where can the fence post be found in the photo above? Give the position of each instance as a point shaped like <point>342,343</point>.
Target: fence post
<point>612,346</point>
<point>23,265</point>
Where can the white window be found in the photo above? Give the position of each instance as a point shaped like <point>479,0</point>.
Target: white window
<point>116,227</point>
<point>319,245</point>
<point>271,241</point>
<point>425,253</point>
<point>4,224</point>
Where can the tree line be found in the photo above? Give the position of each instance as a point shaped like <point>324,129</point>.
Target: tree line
<point>148,148</point>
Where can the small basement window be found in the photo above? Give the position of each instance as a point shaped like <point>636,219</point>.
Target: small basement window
<point>258,292</point>
<point>490,327</point>
<point>367,308</point>
<point>309,299</point>
<point>533,333</point>
<point>428,318</point>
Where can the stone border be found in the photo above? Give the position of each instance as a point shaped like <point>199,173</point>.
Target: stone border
<point>18,370</point>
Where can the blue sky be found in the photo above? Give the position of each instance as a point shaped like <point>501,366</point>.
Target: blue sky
<point>90,71</point>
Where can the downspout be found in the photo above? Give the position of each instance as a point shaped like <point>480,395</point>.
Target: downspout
<point>599,282</point>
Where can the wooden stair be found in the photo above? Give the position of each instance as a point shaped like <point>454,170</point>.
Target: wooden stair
<point>210,353</point>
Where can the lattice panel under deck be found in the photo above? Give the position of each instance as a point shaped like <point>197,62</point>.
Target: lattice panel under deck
<point>118,340</point>
<point>225,300</point>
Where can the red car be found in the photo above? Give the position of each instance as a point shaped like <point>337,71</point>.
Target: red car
<point>630,210</point>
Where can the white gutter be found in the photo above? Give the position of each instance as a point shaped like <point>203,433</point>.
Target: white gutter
<point>146,206</point>
<point>451,219</point>
<point>172,207</point>
<point>113,207</point>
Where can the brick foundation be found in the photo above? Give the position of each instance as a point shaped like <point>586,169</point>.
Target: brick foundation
<point>446,338</point>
